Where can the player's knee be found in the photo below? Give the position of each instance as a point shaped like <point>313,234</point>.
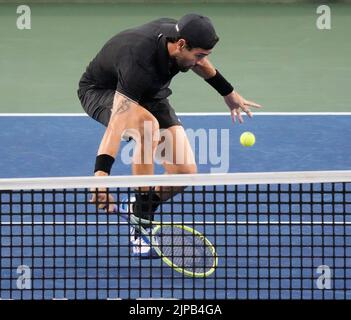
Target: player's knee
<point>142,128</point>
<point>191,169</point>
<point>186,169</point>
<point>148,125</point>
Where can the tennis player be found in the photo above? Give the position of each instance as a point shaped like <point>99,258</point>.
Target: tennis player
<point>125,88</point>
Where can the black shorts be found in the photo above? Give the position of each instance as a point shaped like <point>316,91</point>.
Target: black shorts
<point>97,103</point>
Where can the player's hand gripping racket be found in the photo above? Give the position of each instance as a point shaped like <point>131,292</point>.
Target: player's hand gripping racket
<point>182,248</point>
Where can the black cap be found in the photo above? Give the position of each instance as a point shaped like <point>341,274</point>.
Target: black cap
<point>197,30</point>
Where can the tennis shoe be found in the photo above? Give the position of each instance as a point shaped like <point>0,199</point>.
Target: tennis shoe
<point>140,245</point>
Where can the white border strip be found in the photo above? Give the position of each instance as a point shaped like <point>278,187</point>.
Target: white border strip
<point>194,114</point>
<point>176,180</point>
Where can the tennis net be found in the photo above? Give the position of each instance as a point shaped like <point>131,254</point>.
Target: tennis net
<point>274,236</point>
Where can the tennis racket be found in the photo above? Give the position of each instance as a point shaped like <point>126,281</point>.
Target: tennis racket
<point>182,248</point>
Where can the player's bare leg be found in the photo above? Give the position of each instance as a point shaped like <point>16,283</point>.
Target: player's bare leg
<point>182,159</point>
<point>127,117</point>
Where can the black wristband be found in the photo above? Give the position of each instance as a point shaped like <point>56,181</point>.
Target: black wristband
<point>218,82</point>
<point>104,163</point>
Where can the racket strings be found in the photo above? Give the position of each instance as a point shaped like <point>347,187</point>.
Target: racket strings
<point>185,249</point>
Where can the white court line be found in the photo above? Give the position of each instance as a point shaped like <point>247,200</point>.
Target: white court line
<point>7,223</point>
<point>267,114</point>
<point>185,114</point>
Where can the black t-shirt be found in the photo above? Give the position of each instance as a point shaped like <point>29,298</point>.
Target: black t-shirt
<point>135,62</point>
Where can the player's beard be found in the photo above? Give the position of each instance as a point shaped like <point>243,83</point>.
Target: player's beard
<point>184,69</point>
<point>181,66</point>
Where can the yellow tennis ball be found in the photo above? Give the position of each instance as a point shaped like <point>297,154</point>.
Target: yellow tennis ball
<point>247,139</point>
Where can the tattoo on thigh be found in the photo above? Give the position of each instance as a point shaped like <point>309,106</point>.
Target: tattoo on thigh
<point>122,107</point>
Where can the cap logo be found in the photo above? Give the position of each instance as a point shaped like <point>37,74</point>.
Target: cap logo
<point>177,28</point>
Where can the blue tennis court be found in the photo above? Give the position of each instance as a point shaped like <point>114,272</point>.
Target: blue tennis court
<point>47,146</point>
<point>272,239</point>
